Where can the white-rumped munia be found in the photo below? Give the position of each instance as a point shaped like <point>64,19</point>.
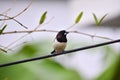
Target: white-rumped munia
<point>60,42</point>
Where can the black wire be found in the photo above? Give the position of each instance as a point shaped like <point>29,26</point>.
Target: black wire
<point>53,55</point>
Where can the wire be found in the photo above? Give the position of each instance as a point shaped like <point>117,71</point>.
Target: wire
<point>53,55</point>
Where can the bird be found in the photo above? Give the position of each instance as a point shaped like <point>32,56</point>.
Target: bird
<point>60,42</point>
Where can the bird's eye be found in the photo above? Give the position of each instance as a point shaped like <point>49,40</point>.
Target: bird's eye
<point>65,33</point>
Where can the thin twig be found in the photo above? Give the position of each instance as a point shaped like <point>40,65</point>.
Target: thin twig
<point>36,28</point>
<point>6,11</point>
<point>13,18</point>
<point>19,12</point>
<point>53,55</point>
<point>49,21</point>
<point>3,50</point>
<point>44,30</point>
<point>91,35</point>
<point>23,10</point>
<point>28,32</point>
<point>1,25</point>
<point>8,18</point>
<point>6,49</point>
<point>71,26</point>
<point>19,45</point>
<point>17,40</point>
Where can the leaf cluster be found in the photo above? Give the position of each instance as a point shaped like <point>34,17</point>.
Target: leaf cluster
<point>47,69</point>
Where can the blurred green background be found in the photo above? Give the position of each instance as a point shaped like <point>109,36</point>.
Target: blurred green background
<point>51,69</point>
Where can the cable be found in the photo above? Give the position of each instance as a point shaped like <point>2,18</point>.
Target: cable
<point>53,55</point>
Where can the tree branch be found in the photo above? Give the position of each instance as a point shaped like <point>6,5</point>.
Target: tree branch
<point>44,30</point>
<point>9,18</point>
<point>13,18</point>
<point>53,55</point>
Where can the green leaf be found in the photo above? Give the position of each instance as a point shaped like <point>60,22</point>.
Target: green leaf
<point>79,17</point>
<point>98,22</point>
<point>102,19</point>
<point>43,17</point>
<point>1,31</point>
<point>95,18</point>
<point>47,69</point>
<point>112,72</point>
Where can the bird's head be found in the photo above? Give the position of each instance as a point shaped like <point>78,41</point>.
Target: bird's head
<point>61,36</point>
<point>63,33</point>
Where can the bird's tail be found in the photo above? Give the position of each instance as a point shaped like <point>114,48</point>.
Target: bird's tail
<point>53,52</point>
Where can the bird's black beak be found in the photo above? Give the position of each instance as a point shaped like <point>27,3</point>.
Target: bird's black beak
<point>66,33</point>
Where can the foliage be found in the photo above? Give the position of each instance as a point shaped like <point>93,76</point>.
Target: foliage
<point>47,69</point>
<point>77,20</point>
<point>1,31</point>
<point>98,22</point>
<point>113,70</point>
<point>43,17</point>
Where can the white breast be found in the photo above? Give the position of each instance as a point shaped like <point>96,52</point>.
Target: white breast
<point>59,46</point>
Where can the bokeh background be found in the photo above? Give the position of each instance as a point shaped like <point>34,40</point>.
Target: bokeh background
<point>95,64</point>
